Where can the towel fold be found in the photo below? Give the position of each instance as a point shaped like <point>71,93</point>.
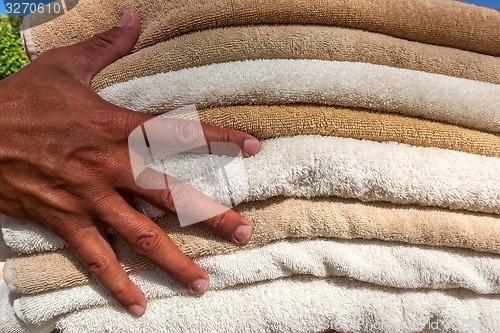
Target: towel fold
<point>275,121</point>
<point>437,97</point>
<point>274,220</point>
<point>9,323</point>
<point>440,22</point>
<point>310,166</point>
<point>22,237</point>
<point>265,122</point>
<point>297,42</point>
<point>301,305</point>
<point>380,263</point>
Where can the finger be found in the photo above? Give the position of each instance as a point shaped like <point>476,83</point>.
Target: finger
<point>170,136</point>
<point>150,241</point>
<point>100,259</point>
<point>192,206</point>
<point>84,60</point>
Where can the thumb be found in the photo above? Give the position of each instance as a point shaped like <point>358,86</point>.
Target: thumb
<point>84,60</point>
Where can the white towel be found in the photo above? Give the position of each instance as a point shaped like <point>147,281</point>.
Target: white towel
<point>328,166</point>
<point>453,100</point>
<point>301,305</point>
<point>380,263</point>
<point>310,166</point>
<point>22,237</point>
<point>9,323</point>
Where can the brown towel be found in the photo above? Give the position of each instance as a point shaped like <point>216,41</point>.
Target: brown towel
<point>298,42</point>
<point>278,219</point>
<point>267,122</point>
<point>439,22</point>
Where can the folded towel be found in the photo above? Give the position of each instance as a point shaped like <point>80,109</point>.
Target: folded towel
<point>381,263</point>
<point>301,305</point>
<point>22,237</point>
<point>452,100</point>
<point>265,122</point>
<point>274,220</point>
<point>5,250</point>
<point>440,22</point>
<point>310,166</point>
<point>274,121</point>
<point>297,42</point>
<point>319,166</point>
<point>280,218</point>
<point>9,323</point>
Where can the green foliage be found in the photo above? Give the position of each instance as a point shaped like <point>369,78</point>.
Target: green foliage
<point>12,56</point>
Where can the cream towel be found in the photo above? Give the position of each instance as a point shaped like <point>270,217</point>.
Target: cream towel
<point>279,218</point>
<point>437,97</point>
<point>9,323</point>
<point>274,220</point>
<point>301,305</point>
<point>297,42</point>
<point>440,22</point>
<point>380,263</point>
<point>310,166</point>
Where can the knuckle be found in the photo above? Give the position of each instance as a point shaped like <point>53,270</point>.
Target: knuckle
<point>181,198</point>
<point>149,242</point>
<point>182,269</point>
<point>105,41</point>
<point>219,222</point>
<point>99,266</point>
<point>119,290</point>
<point>187,133</point>
<point>167,199</point>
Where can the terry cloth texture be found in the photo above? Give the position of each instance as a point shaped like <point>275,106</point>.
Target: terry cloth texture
<point>280,218</point>
<point>22,237</point>
<point>266,122</point>
<point>437,97</point>
<point>301,305</point>
<point>310,166</point>
<point>380,263</point>
<point>9,323</point>
<point>297,42</point>
<point>440,22</point>
<point>274,220</point>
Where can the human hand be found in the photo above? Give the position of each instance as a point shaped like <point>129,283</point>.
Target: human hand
<point>65,164</point>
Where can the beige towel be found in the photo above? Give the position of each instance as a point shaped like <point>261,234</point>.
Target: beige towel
<point>277,219</point>
<point>267,122</point>
<point>440,22</point>
<point>301,305</point>
<point>442,98</point>
<point>297,42</point>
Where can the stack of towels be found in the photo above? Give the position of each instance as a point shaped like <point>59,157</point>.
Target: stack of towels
<point>375,198</point>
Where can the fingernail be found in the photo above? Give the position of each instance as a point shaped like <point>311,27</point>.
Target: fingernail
<point>136,310</point>
<point>125,20</point>
<point>251,146</point>
<point>199,286</point>
<point>242,233</point>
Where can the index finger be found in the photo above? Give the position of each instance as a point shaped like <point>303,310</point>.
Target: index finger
<point>172,135</point>
<point>150,241</point>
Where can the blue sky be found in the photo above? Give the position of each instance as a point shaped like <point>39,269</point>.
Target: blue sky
<point>490,3</point>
